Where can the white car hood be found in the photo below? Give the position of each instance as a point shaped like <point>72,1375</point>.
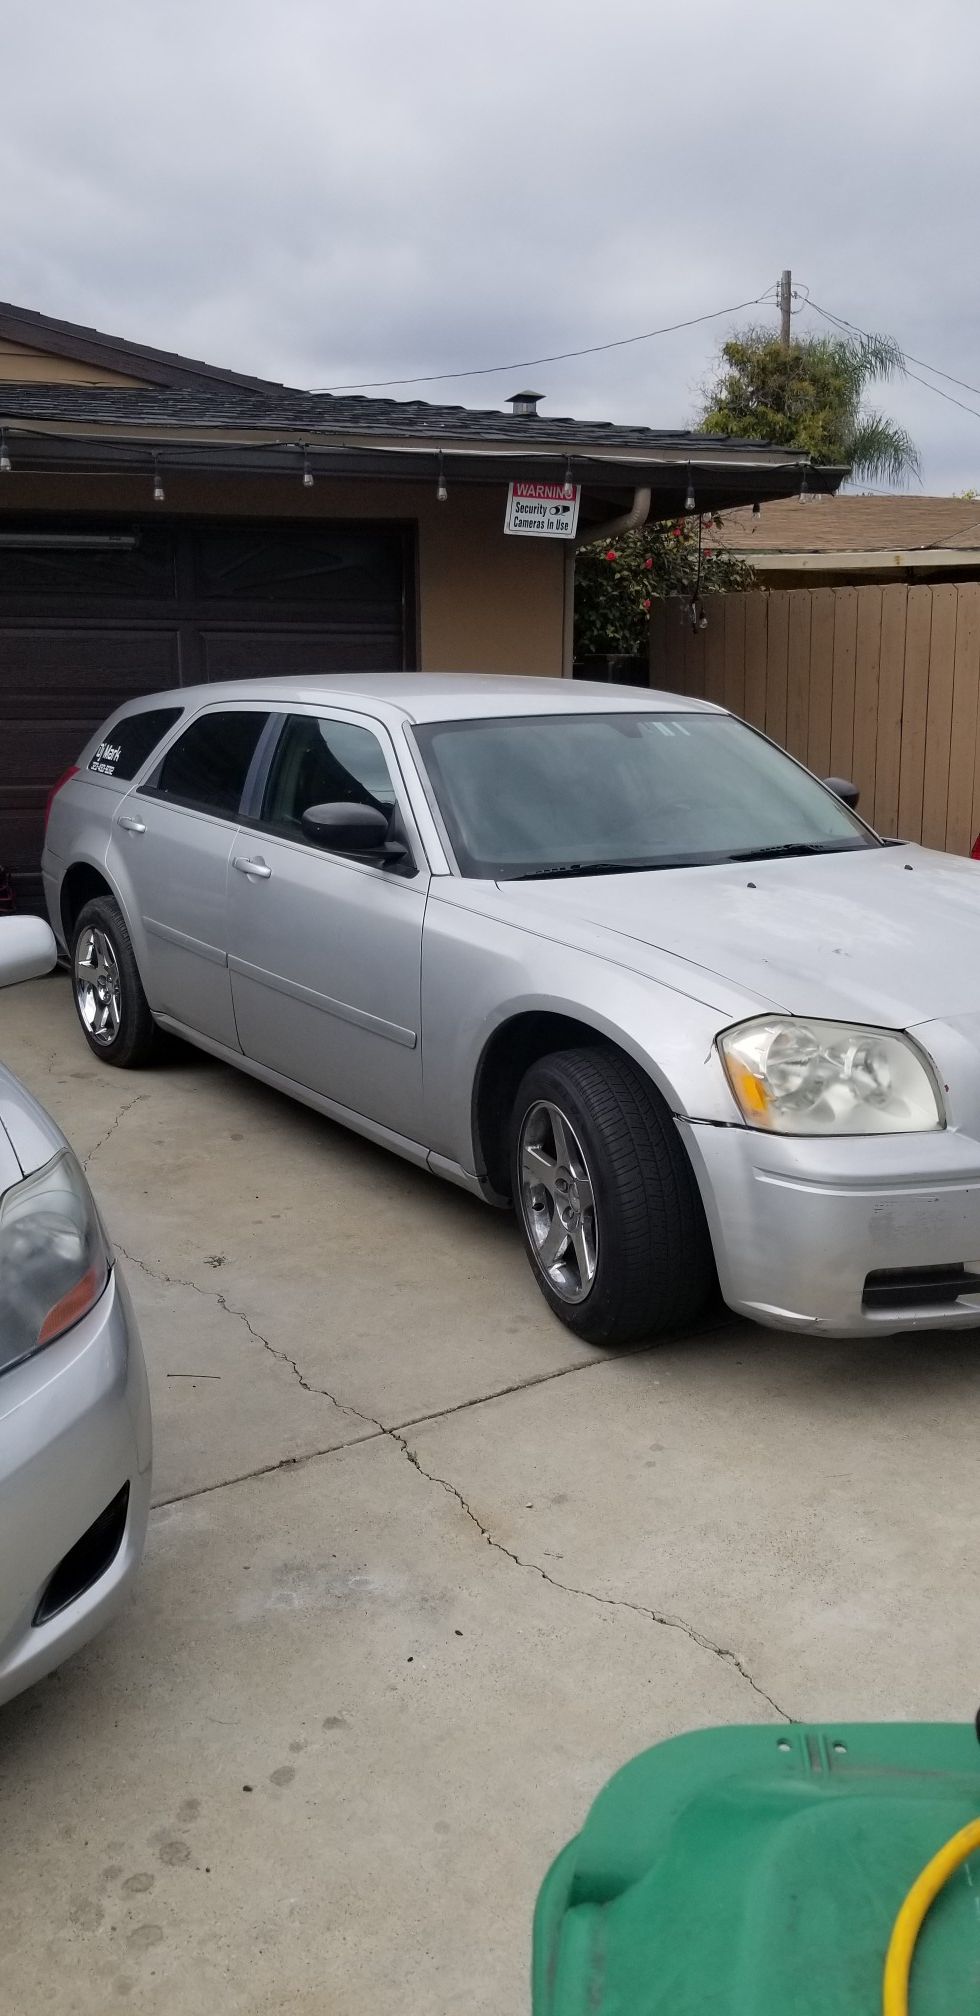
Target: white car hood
<point>890,935</point>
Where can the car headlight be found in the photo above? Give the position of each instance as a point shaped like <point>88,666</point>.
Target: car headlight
<point>796,1077</point>
<point>54,1263</point>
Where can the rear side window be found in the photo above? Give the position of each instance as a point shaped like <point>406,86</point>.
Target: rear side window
<point>208,764</point>
<point>125,750</point>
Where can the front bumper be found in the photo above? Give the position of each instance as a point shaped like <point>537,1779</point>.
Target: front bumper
<point>799,1224</point>
<point>74,1431</point>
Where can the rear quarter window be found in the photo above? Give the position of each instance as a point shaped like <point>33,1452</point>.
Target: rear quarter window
<point>123,750</point>
<point>207,766</point>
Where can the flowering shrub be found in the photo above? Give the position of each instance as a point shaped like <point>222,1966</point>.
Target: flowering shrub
<point>616,585</point>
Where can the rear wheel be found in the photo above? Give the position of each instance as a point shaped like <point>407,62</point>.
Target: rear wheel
<point>606,1198</point>
<point>109,999</point>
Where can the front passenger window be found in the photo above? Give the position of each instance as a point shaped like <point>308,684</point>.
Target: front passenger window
<point>324,763</point>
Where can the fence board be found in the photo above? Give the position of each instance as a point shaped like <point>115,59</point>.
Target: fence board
<point>734,613</point>
<point>798,673</point>
<point>891,689</point>
<point>939,716</point>
<point>659,613</point>
<point>777,649</point>
<point>867,658</point>
<point>821,680</point>
<point>756,624</point>
<point>881,684</point>
<point>914,706</point>
<point>714,649</point>
<point>842,693</point>
<point>960,830</point>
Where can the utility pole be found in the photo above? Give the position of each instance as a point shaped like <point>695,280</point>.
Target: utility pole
<point>785,302</point>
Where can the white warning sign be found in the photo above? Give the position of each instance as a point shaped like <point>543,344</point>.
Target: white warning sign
<point>543,510</point>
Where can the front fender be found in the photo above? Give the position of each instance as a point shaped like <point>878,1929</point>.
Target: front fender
<point>479,973</point>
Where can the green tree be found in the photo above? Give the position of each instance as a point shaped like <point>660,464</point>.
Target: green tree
<point>617,579</point>
<point>811,396</point>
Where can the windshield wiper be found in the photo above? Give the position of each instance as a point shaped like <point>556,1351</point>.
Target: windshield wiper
<point>790,847</point>
<point>596,868</point>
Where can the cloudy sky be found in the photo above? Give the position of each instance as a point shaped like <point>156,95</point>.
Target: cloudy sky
<point>325,194</point>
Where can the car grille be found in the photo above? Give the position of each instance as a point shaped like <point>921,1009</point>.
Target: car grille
<point>919,1287</point>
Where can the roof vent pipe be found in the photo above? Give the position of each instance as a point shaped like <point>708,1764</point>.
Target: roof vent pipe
<point>524,405</point>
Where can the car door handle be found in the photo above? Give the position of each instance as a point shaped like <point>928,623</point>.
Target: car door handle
<point>256,868</point>
<point>132,825</point>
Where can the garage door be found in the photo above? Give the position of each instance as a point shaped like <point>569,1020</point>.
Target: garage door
<point>89,617</point>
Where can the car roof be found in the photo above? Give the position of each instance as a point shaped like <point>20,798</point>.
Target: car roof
<point>434,696</point>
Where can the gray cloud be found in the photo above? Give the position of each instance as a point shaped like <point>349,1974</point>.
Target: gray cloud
<point>324,194</point>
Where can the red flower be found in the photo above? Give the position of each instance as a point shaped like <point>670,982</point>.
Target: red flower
<point>708,550</point>
<point>678,531</point>
<point>648,562</point>
<point>611,555</point>
<point>646,603</point>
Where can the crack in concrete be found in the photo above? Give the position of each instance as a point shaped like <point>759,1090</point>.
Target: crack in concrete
<point>381,1430</point>
<point>267,1469</point>
<point>663,1618</point>
<point>110,1130</point>
<point>241,1316</point>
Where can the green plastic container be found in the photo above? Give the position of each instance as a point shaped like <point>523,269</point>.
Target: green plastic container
<point>758,1872</point>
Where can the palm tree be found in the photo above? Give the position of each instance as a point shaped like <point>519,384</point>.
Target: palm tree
<point>810,396</point>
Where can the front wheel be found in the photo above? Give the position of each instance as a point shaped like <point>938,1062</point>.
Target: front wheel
<point>109,1000</point>
<point>606,1198</point>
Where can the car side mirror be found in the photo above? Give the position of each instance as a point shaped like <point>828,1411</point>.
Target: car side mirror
<point>843,789</point>
<point>358,830</point>
<point>27,949</point>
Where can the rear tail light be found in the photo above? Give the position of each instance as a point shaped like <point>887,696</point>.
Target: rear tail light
<point>975,849</point>
<point>71,772</point>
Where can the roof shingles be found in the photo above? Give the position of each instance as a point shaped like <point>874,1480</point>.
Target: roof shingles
<point>292,413</point>
<point>853,525</point>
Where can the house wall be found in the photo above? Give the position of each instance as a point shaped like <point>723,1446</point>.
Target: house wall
<point>21,364</point>
<point>487,602</point>
<point>881,685</point>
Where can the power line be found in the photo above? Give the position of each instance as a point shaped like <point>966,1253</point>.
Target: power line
<point>963,383</point>
<point>556,357</point>
<point>839,322</point>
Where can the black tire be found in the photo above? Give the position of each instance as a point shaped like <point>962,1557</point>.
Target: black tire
<point>135,1039</point>
<point>653,1263</point>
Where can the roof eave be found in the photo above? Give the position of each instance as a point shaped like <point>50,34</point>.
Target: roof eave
<point>740,475</point>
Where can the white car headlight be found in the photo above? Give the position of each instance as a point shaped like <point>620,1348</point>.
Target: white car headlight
<point>54,1263</point>
<point>795,1077</point>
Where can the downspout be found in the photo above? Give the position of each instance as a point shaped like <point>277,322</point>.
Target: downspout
<point>628,521</point>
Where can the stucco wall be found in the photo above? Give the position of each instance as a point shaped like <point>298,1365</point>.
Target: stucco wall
<point>21,364</point>
<point>487,602</point>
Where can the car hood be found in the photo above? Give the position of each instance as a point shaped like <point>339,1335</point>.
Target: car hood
<point>28,1135</point>
<point>887,935</point>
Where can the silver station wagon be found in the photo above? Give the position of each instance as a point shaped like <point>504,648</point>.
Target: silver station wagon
<point>608,956</point>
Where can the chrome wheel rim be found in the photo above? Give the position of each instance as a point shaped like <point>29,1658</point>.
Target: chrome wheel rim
<point>97,985</point>
<point>558,1201</point>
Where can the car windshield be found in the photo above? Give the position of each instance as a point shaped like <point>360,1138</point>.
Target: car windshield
<point>587,794</point>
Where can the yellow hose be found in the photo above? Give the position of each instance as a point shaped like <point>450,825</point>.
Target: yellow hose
<point>908,1924</point>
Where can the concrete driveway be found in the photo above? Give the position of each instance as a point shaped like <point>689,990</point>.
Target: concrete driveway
<point>423,1570</point>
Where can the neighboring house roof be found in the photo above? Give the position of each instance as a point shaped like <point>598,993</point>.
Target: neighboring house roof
<point>848,534</point>
<point>46,335</point>
<point>199,417</point>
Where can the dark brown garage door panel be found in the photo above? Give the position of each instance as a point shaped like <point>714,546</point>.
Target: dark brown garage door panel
<point>298,654</point>
<point>84,629</point>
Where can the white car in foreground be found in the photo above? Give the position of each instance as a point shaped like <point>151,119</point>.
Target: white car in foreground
<point>75,1434</point>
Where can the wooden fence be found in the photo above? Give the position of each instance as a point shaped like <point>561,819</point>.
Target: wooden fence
<point>877,684</point>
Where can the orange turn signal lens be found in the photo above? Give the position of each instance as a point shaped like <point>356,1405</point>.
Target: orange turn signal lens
<point>72,1307</point>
